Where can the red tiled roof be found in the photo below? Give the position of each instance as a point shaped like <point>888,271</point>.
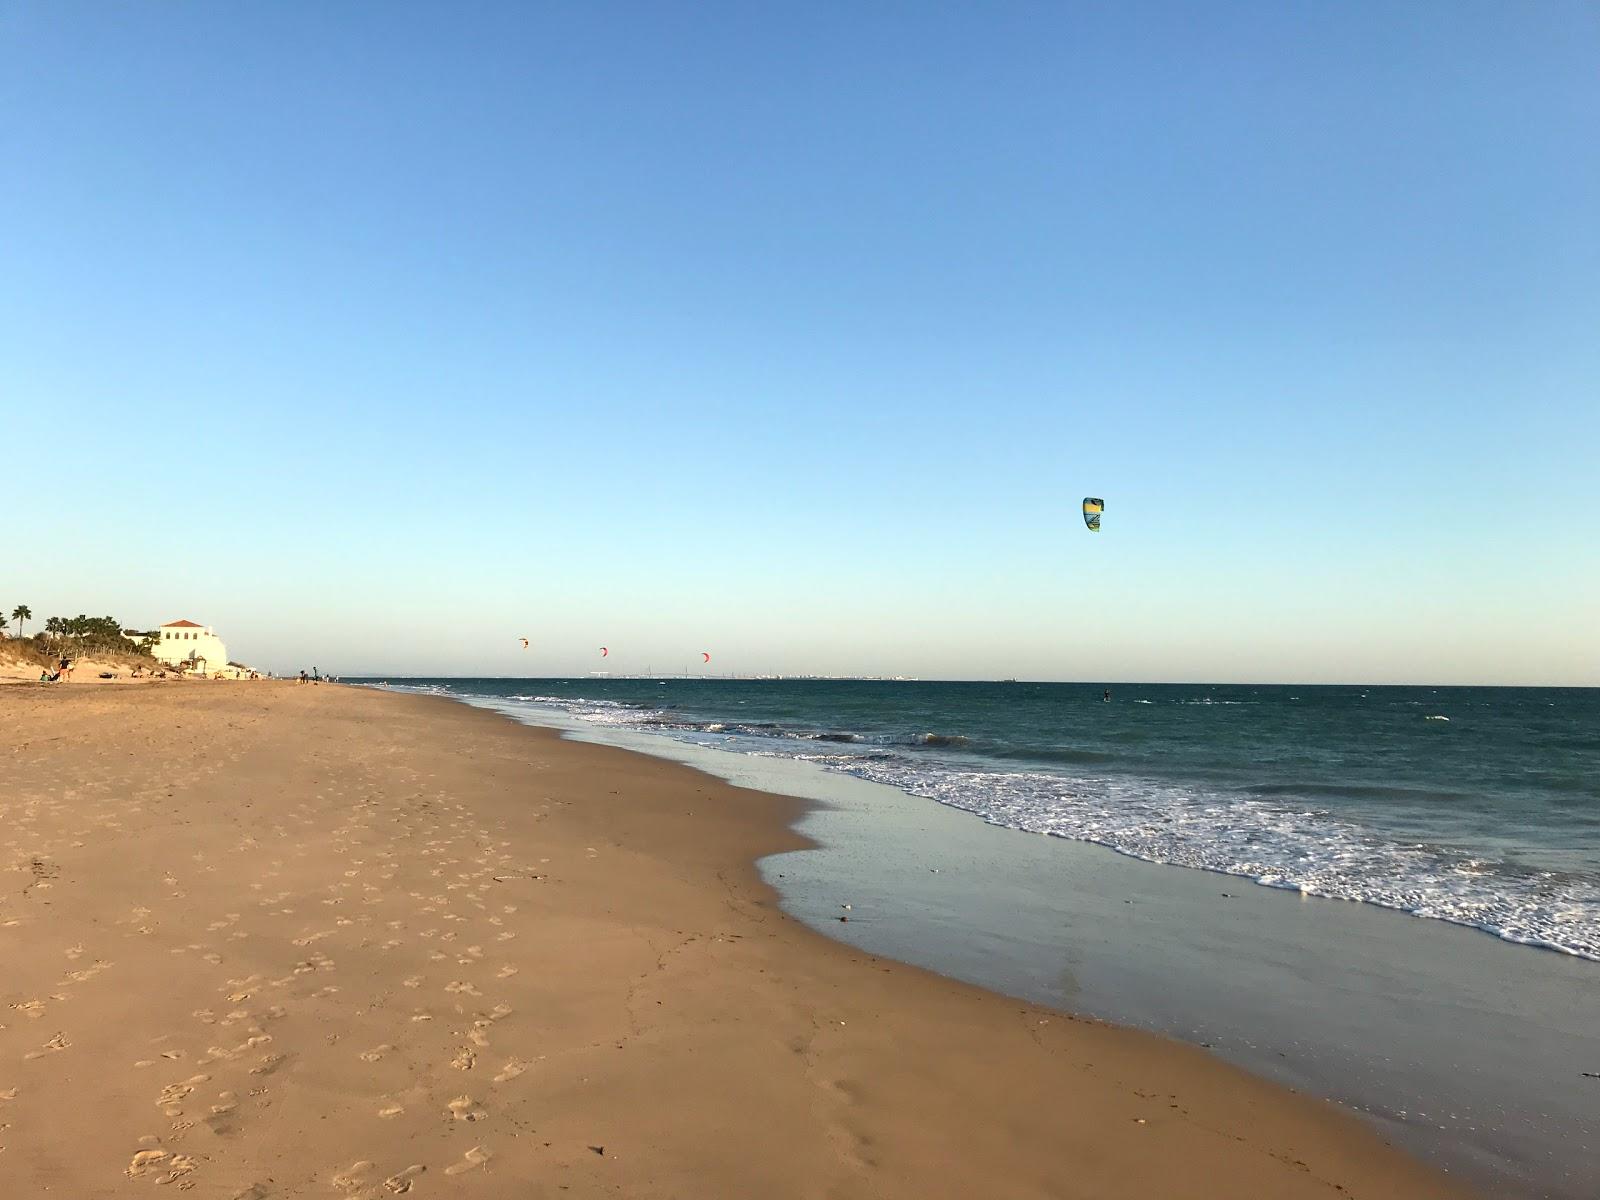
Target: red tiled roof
<point>182,625</point>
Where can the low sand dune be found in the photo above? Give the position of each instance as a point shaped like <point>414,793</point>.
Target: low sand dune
<point>17,666</point>
<point>269,940</point>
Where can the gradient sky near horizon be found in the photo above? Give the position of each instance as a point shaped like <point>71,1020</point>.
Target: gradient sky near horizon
<point>380,335</point>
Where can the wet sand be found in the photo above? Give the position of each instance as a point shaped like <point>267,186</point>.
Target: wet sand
<point>267,939</point>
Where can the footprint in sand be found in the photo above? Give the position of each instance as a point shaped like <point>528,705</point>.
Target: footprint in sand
<point>393,1110</point>
<point>222,1111</point>
<point>170,1095</point>
<point>511,1070</point>
<point>354,1176</point>
<point>87,973</point>
<point>376,1053</point>
<point>470,1161</point>
<point>166,1166</point>
<point>462,989</point>
<point>59,1042</point>
<point>464,1060</point>
<point>505,972</point>
<point>269,1063</point>
<point>400,1182</point>
<point>464,1108</point>
<point>256,1039</point>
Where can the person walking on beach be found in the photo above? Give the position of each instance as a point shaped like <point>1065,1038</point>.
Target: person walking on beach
<point>302,675</point>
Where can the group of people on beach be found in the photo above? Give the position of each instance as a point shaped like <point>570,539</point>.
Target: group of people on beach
<point>314,677</point>
<point>63,672</point>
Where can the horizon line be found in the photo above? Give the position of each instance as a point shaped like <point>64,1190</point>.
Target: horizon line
<point>1100,683</point>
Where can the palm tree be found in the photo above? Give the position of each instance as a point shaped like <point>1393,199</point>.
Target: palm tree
<point>2,623</point>
<point>21,614</point>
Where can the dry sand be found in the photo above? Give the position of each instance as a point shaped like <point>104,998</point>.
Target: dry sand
<point>270,940</point>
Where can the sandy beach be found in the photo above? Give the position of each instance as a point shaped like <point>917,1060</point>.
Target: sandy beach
<point>276,940</point>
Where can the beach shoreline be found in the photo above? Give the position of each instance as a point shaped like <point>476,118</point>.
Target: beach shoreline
<point>387,942</point>
<point>1463,1049</point>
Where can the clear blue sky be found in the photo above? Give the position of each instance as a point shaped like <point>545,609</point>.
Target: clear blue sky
<point>379,334</point>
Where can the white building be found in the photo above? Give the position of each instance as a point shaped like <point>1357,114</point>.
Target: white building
<point>197,645</point>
